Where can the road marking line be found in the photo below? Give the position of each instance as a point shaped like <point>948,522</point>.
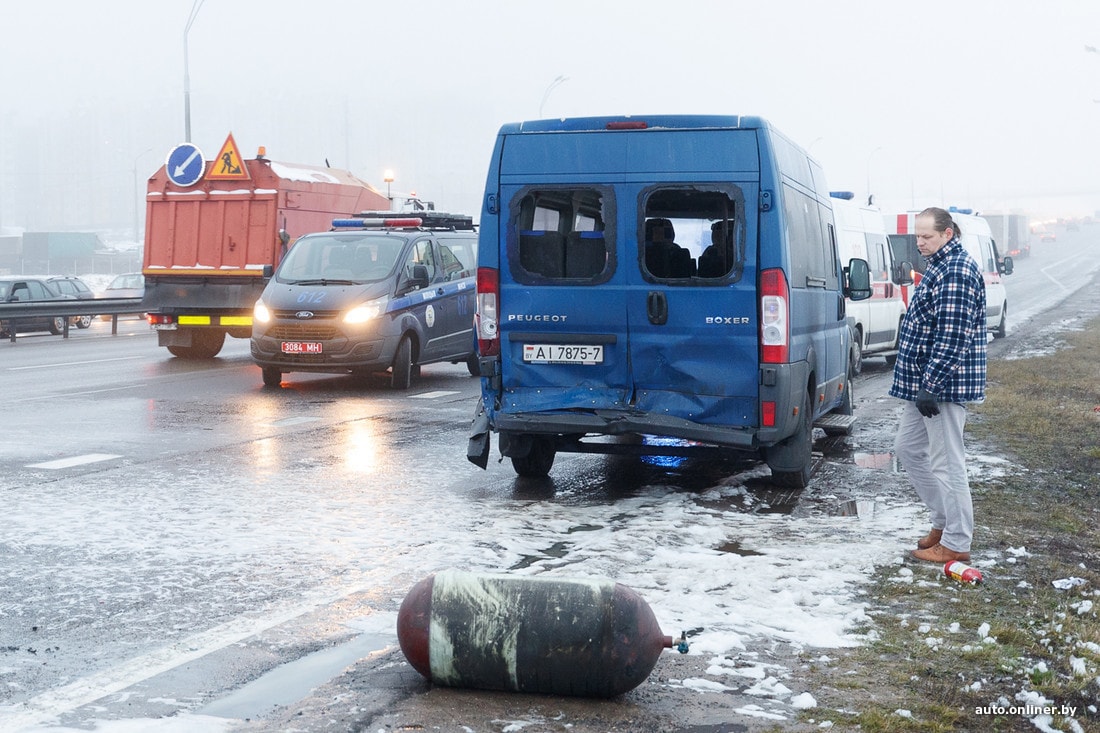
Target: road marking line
<point>73,363</point>
<point>288,421</point>
<point>432,395</point>
<point>74,461</point>
<point>53,703</point>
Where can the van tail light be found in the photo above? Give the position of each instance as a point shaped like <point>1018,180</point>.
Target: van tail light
<point>486,322</point>
<point>775,330</point>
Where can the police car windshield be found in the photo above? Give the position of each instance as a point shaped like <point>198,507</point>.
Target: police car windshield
<point>341,259</point>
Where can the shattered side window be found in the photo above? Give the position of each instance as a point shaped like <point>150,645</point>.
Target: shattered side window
<point>561,234</point>
<point>693,233</point>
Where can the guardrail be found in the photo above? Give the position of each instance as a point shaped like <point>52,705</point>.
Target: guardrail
<point>113,307</point>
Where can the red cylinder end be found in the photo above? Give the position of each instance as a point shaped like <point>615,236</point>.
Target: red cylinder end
<point>413,622</point>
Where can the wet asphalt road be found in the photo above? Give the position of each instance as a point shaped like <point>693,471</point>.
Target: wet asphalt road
<point>175,534</point>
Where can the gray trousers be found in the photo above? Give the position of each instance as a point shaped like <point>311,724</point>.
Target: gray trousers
<point>931,452</point>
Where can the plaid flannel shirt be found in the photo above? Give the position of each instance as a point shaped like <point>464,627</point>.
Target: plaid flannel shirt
<point>941,347</point>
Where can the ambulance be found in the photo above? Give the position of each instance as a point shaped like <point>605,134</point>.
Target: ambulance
<point>875,322</point>
<point>976,236</point>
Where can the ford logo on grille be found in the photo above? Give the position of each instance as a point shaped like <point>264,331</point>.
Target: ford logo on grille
<point>304,314</point>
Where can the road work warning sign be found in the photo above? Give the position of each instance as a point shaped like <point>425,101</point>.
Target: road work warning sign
<point>228,164</point>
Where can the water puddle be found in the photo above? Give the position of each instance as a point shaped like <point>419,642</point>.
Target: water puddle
<point>584,528</point>
<point>291,682</point>
<point>734,547</point>
<point>558,550</point>
<point>878,461</point>
<point>864,509</point>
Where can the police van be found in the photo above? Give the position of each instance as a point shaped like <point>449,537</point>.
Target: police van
<point>657,278</point>
<point>977,238</point>
<point>381,291</point>
<point>876,321</point>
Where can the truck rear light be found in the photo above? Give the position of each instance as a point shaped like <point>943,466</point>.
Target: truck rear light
<point>774,317</point>
<point>158,318</point>
<point>486,319</point>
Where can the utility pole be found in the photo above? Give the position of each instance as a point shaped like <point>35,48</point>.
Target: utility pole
<point>195,7</point>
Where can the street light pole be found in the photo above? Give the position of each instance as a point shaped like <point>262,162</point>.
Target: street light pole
<point>187,72</point>
<point>137,235</point>
<point>872,154</point>
<point>387,176</point>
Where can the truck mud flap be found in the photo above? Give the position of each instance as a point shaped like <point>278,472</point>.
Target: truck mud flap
<point>477,449</point>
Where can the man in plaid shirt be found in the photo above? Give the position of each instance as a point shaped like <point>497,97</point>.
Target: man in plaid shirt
<point>940,367</point>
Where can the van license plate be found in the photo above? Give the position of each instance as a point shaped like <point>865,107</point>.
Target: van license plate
<point>301,347</point>
<point>562,354</point>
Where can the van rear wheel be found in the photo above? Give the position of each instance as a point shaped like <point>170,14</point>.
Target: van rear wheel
<point>791,459</point>
<point>538,461</point>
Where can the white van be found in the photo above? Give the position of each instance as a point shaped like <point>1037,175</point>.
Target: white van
<point>978,240</point>
<point>875,322</point>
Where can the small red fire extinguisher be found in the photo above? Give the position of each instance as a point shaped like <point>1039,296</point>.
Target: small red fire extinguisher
<point>962,572</point>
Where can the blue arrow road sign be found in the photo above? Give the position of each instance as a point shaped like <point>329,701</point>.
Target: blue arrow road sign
<point>185,165</point>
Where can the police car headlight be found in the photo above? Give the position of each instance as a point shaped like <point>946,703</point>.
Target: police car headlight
<point>260,313</point>
<point>365,312</point>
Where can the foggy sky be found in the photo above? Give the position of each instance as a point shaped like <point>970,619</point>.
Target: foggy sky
<point>982,104</point>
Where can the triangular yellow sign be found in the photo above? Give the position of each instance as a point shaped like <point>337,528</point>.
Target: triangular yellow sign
<point>228,165</point>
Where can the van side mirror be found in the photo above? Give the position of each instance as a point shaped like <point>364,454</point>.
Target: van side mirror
<point>269,270</point>
<point>857,279</point>
<point>1005,267</point>
<point>903,273</point>
<point>418,278</point>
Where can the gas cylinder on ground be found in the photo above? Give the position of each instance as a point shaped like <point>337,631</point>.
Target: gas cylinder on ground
<point>559,636</point>
<point>962,572</point>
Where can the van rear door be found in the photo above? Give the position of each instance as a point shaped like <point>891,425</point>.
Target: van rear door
<point>596,315</point>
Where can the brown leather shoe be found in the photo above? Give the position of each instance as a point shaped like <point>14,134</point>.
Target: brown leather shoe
<point>932,538</point>
<point>940,554</point>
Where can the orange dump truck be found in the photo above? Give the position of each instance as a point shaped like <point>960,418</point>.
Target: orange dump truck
<point>208,240</point>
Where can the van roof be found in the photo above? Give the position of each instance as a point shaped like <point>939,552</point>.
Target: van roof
<point>637,122</point>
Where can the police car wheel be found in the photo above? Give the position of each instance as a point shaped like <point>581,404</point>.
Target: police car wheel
<point>83,321</point>
<point>272,377</point>
<point>402,371</point>
<point>57,325</point>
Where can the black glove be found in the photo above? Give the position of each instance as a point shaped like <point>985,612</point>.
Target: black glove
<point>926,403</point>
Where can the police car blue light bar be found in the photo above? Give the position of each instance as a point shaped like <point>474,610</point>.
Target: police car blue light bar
<point>376,223</point>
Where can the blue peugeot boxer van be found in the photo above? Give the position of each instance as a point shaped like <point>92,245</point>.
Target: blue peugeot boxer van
<point>669,276</point>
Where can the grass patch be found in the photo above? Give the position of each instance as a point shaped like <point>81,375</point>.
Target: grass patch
<point>940,653</point>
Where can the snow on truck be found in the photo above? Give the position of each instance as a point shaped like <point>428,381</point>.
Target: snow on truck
<point>212,226</point>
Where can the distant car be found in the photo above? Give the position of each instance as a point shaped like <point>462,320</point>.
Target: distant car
<point>126,285</point>
<point>77,288</point>
<point>17,289</point>
<point>1047,237</point>
<point>1072,227</point>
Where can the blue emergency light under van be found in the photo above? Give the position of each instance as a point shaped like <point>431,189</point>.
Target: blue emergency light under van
<point>667,276</point>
